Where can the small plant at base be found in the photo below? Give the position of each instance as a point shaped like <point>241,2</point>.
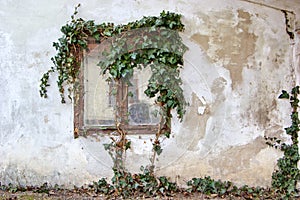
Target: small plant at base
<point>225,189</point>
<point>102,186</point>
<point>125,184</point>
<point>209,186</point>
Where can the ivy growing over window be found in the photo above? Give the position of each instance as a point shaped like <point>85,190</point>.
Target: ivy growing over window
<point>152,42</point>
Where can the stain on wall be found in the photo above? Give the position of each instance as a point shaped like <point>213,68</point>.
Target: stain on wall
<point>238,158</point>
<point>202,40</point>
<point>195,122</point>
<point>229,41</point>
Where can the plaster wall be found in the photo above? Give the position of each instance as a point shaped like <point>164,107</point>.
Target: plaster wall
<point>240,58</point>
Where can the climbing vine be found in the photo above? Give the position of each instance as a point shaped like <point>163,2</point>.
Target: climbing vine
<point>285,178</point>
<point>152,42</point>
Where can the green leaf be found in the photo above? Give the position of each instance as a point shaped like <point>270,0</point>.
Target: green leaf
<point>295,90</point>
<point>128,145</point>
<point>114,91</point>
<point>97,37</point>
<point>284,95</point>
<point>157,148</point>
<point>107,32</point>
<point>130,94</point>
<point>167,134</point>
<point>133,55</point>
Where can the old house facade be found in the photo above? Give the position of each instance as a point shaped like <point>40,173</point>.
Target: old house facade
<point>241,55</point>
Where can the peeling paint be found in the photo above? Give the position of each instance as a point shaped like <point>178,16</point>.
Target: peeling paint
<point>202,40</point>
<point>198,127</point>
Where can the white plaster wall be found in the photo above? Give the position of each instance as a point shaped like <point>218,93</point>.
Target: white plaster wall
<point>36,135</point>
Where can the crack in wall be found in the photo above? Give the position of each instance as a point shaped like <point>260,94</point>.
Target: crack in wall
<point>288,14</point>
<point>268,6</point>
<point>289,23</point>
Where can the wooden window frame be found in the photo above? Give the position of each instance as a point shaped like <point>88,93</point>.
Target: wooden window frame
<point>80,129</point>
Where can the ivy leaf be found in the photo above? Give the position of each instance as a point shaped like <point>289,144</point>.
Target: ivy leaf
<point>284,95</point>
<point>170,103</point>
<point>127,145</point>
<point>113,72</point>
<point>157,148</point>
<point>130,94</point>
<point>295,90</point>
<point>97,37</point>
<point>107,33</point>
<point>133,55</point>
<point>167,134</point>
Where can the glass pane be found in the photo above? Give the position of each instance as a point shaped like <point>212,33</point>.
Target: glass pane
<point>99,99</point>
<point>141,109</point>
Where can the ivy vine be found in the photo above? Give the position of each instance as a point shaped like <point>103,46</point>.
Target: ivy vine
<point>74,41</point>
<point>286,177</point>
<point>152,42</point>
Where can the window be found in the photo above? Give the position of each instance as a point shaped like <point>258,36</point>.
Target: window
<point>96,100</point>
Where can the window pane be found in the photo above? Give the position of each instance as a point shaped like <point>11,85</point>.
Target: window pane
<point>141,109</point>
<point>99,100</point>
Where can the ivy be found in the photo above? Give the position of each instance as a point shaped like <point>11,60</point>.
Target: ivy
<point>160,47</point>
<point>154,42</point>
<point>227,190</point>
<point>75,37</point>
<point>127,185</point>
<point>286,177</point>
<point>151,42</point>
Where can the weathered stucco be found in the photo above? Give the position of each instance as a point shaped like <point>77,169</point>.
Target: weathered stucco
<point>240,57</point>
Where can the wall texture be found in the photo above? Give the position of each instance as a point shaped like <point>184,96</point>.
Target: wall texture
<point>241,55</point>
